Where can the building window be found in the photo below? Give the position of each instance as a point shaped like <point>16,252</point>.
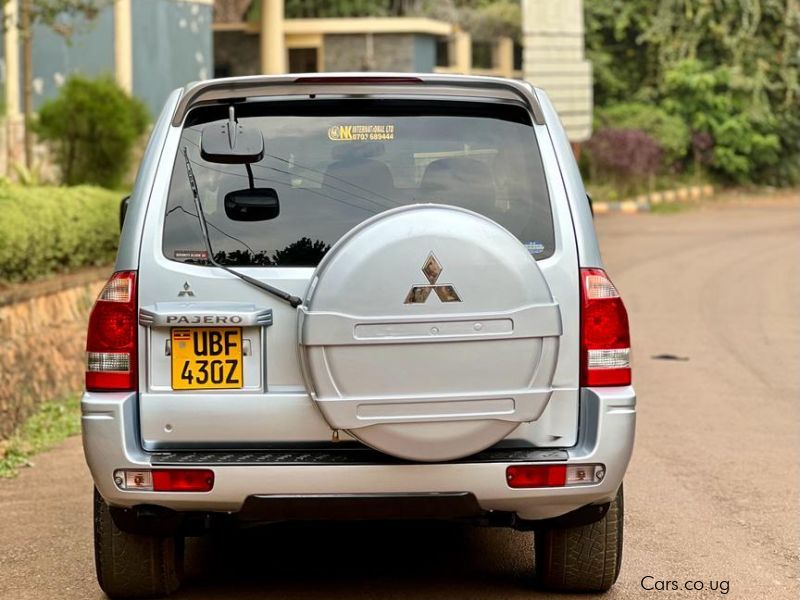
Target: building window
<point>443,52</point>
<point>222,70</point>
<point>517,56</point>
<point>482,55</point>
<point>303,60</point>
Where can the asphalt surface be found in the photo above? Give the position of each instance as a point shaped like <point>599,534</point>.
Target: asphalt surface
<point>711,494</point>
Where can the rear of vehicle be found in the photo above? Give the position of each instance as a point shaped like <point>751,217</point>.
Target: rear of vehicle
<point>455,349</point>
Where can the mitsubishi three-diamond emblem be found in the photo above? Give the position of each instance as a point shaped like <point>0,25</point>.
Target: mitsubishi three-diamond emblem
<point>418,294</point>
<point>186,291</point>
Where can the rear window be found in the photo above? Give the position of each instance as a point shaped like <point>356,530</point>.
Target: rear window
<point>335,164</point>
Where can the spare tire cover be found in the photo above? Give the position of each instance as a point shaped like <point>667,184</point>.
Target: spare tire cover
<point>428,332</point>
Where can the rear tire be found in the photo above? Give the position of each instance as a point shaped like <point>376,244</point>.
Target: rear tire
<point>581,559</point>
<point>134,566</point>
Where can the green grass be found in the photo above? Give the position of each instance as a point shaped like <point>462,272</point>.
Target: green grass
<point>51,424</point>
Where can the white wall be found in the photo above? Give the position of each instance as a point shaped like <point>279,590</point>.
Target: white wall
<point>553,59</point>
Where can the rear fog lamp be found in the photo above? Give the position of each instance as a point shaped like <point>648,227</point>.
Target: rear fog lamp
<point>165,480</point>
<point>547,476</point>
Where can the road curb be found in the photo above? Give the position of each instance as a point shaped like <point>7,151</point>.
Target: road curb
<point>645,202</point>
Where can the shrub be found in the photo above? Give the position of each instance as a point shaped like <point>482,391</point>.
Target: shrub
<point>671,132</point>
<point>46,229</point>
<point>624,156</point>
<point>93,125</point>
<point>742,135</point>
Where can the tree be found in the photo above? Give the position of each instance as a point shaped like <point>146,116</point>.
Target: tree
<point>93,125</point>
<point>744,138</point>
<point>302,253</point>
<point>744,52</point>
<point>670,131</point>
<point>625,69</point>
<point>46,12</point>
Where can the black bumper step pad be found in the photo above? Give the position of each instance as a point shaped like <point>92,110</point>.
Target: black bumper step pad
<point>341,456</point>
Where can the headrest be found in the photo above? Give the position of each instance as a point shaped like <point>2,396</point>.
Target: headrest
<point>361,175</point>
<point>461,180</point>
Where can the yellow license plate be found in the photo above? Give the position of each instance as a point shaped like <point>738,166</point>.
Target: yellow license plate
<point>206,358</point>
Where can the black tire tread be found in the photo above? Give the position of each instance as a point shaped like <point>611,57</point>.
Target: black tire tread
<point>134,566</point>
<point>582,559</point>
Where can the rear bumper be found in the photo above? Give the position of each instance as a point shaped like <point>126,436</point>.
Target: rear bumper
<point>111,441</point>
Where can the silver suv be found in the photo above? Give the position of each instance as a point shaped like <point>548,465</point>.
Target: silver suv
<point>358,296</point>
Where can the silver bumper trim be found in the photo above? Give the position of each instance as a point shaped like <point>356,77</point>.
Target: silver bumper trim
<point>608,415</point>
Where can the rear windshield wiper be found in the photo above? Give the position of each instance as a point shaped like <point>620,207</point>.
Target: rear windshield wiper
<point>293,301</point>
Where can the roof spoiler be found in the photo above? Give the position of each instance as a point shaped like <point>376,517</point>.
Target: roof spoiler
<point>217,91</point>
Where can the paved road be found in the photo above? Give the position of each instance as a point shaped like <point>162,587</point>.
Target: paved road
<point>712,492</point>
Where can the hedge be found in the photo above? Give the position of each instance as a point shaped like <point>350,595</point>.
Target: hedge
<point>671,133</point>
<point>45,230</point>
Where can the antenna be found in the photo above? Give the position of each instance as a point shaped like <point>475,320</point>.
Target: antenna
<point>232,126</point>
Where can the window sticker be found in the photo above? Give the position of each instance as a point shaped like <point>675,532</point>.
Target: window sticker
<point>534,247</point>
<point>191,254</point>
<point>361,133</point>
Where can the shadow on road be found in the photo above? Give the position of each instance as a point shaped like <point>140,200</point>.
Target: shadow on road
<point>361,560</point>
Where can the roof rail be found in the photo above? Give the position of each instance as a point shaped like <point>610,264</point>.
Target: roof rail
<point>357,84</point>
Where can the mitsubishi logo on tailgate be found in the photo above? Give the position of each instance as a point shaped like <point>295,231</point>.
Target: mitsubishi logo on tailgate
<point>419,293</point>
<point>186,291</point>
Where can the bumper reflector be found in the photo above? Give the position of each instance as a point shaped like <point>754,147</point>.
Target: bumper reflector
<point>165,480</point>
<point>543,476</point>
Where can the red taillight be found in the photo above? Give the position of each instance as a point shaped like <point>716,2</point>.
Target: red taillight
<point>605,336</point>
<point>183,480</point>
<point>165,480</point>
<point>541,476</point>
<point>533,476</point>
<point>111,338</point>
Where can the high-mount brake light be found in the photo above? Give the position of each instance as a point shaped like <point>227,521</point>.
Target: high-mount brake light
<point>605,335</point>
<point>111,338</point>
<point>345,79</point>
